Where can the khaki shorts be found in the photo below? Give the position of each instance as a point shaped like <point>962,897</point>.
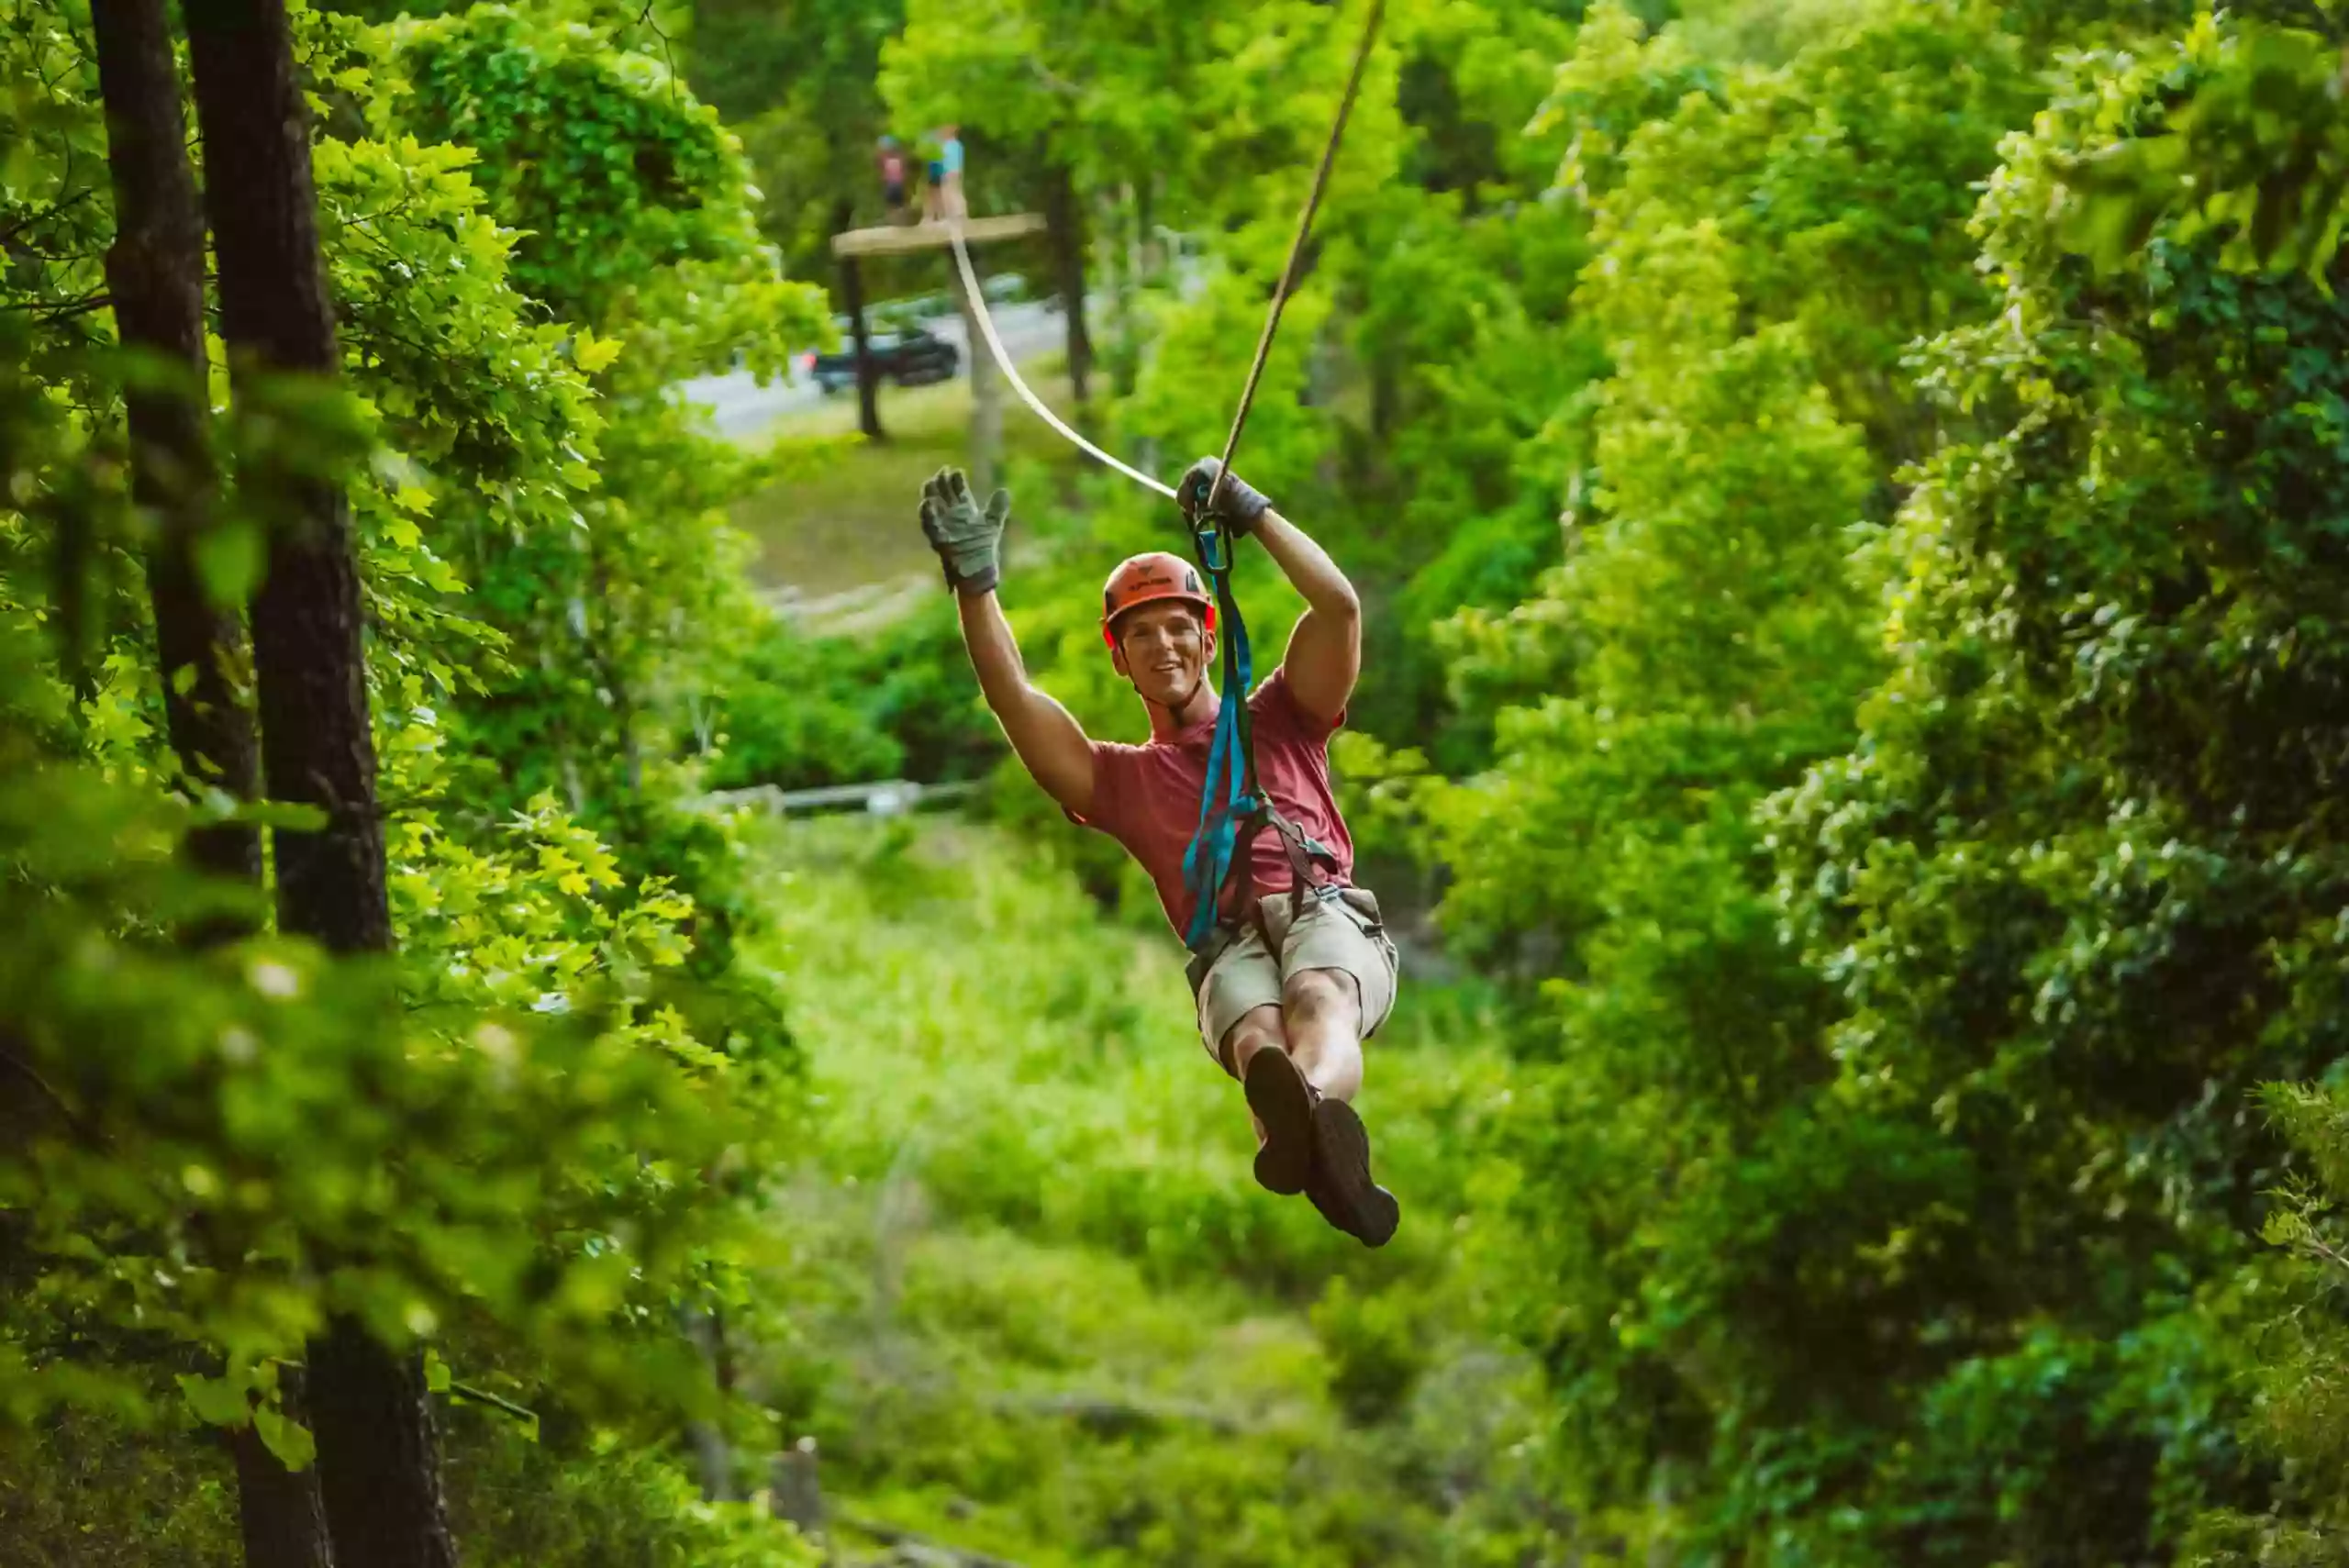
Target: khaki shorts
<point>1339,928</point>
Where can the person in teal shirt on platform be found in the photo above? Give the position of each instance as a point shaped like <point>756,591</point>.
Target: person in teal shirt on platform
<point>944,196</point>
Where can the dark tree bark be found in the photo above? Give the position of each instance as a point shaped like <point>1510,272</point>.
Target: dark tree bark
<point>277,321</point>
<point>155,277</point>
<point>378,1460</point>
<point>382,1484</point>
<point>278,1510</point>
<point>155,274</point>
<point>1065,216</point>
<point>868,384</point>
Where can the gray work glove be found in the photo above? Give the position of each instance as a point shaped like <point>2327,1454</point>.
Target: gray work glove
<point>1238,506</point>
<point>967,540</point>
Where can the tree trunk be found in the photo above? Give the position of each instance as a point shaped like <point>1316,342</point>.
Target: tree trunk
<point>277,320</point>
<point>278,1510</point>
<point>1153,252</point>
<point>713,1455</point>
<point>601,617</point>
<point>378,1467</point>
<point>868,384</point>
<point>1063,213</point>
<point>379,1458</point>
<point>155,274</point>
<point>1117,258</point>
<point>1384,398</point>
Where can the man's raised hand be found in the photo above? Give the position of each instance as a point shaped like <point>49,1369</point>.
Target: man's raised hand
<point>969,540</point>
<point>1238,505</point>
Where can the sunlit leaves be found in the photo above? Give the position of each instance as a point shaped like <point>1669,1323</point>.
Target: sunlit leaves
<point>632,207</point>
<point>2256,156</point>
<point>2077,881</point>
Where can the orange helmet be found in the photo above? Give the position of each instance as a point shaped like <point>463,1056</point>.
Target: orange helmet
<point>1143,579</point>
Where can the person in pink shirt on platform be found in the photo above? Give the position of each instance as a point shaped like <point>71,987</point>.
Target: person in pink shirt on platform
<point>1288,993</point>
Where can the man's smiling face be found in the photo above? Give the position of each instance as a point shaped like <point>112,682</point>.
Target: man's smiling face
<point>1163,650</point>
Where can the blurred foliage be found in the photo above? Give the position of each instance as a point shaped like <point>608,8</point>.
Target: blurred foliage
<point>163,1496</point>
<point>584,504</point>
<point>801,83</point>
<point>802,711</point>
<point>633,203</point>
<point>2303,1355</point>
<point>538,1133</point>
<point>2243,144</point>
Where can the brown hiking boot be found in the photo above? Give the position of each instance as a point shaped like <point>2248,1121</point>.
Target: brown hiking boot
<point>1339,1182</point>
<point>1283,1101</point>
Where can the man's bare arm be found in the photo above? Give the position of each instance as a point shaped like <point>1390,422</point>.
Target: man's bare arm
<point>1050,744</point>
<point>1325,650</point>
<point>969,541</point>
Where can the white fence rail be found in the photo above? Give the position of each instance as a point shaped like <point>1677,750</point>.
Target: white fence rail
<point>888,797</point>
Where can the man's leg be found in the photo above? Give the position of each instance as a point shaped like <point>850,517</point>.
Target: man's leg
<point>1333,964</point>
<point>1240,1024</point>
<point>1258,1028</point>
<point>1322,1012</point>
<point>1279,1103</point>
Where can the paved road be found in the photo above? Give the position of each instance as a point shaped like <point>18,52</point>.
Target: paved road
<point>738,406</point>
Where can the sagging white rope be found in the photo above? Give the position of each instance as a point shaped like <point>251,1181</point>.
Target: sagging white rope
<point>1003,362</point>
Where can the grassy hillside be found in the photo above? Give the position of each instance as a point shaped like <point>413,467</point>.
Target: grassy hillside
<point>1038,1307</point>
<point>849,525</point>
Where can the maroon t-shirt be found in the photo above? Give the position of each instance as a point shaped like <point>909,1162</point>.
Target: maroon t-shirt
<point>1147,796</point>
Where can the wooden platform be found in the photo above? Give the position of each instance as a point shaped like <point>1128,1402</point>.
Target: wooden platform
<point>899,239</point>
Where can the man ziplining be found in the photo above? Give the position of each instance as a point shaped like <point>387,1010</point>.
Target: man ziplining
<point>1288,983</point>
<point>1294,975</point>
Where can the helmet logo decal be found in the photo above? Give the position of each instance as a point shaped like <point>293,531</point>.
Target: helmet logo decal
<point>1156,576</point>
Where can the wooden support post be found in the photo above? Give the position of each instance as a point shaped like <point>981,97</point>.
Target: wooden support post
<point>796,1491</point>
<point>1064,213</point>
<point>868,384</point>
<point>986,391</point>
<point>986,396</point>
<point>868,376</point>
<point>713,1455</point>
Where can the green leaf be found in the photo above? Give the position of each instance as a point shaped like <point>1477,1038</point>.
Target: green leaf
<point>230,558</point>
<point>592,354</point>
<point>289,1440</point>
<point>216,1401</point>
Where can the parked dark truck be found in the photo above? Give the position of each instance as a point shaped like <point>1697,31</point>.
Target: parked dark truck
<point>909,357</point>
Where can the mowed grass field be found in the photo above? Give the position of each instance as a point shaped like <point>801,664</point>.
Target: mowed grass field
<point>852,523</point>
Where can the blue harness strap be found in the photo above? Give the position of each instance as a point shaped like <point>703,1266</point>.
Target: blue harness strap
<point>1233,807</point>
<point>1229,796</point>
